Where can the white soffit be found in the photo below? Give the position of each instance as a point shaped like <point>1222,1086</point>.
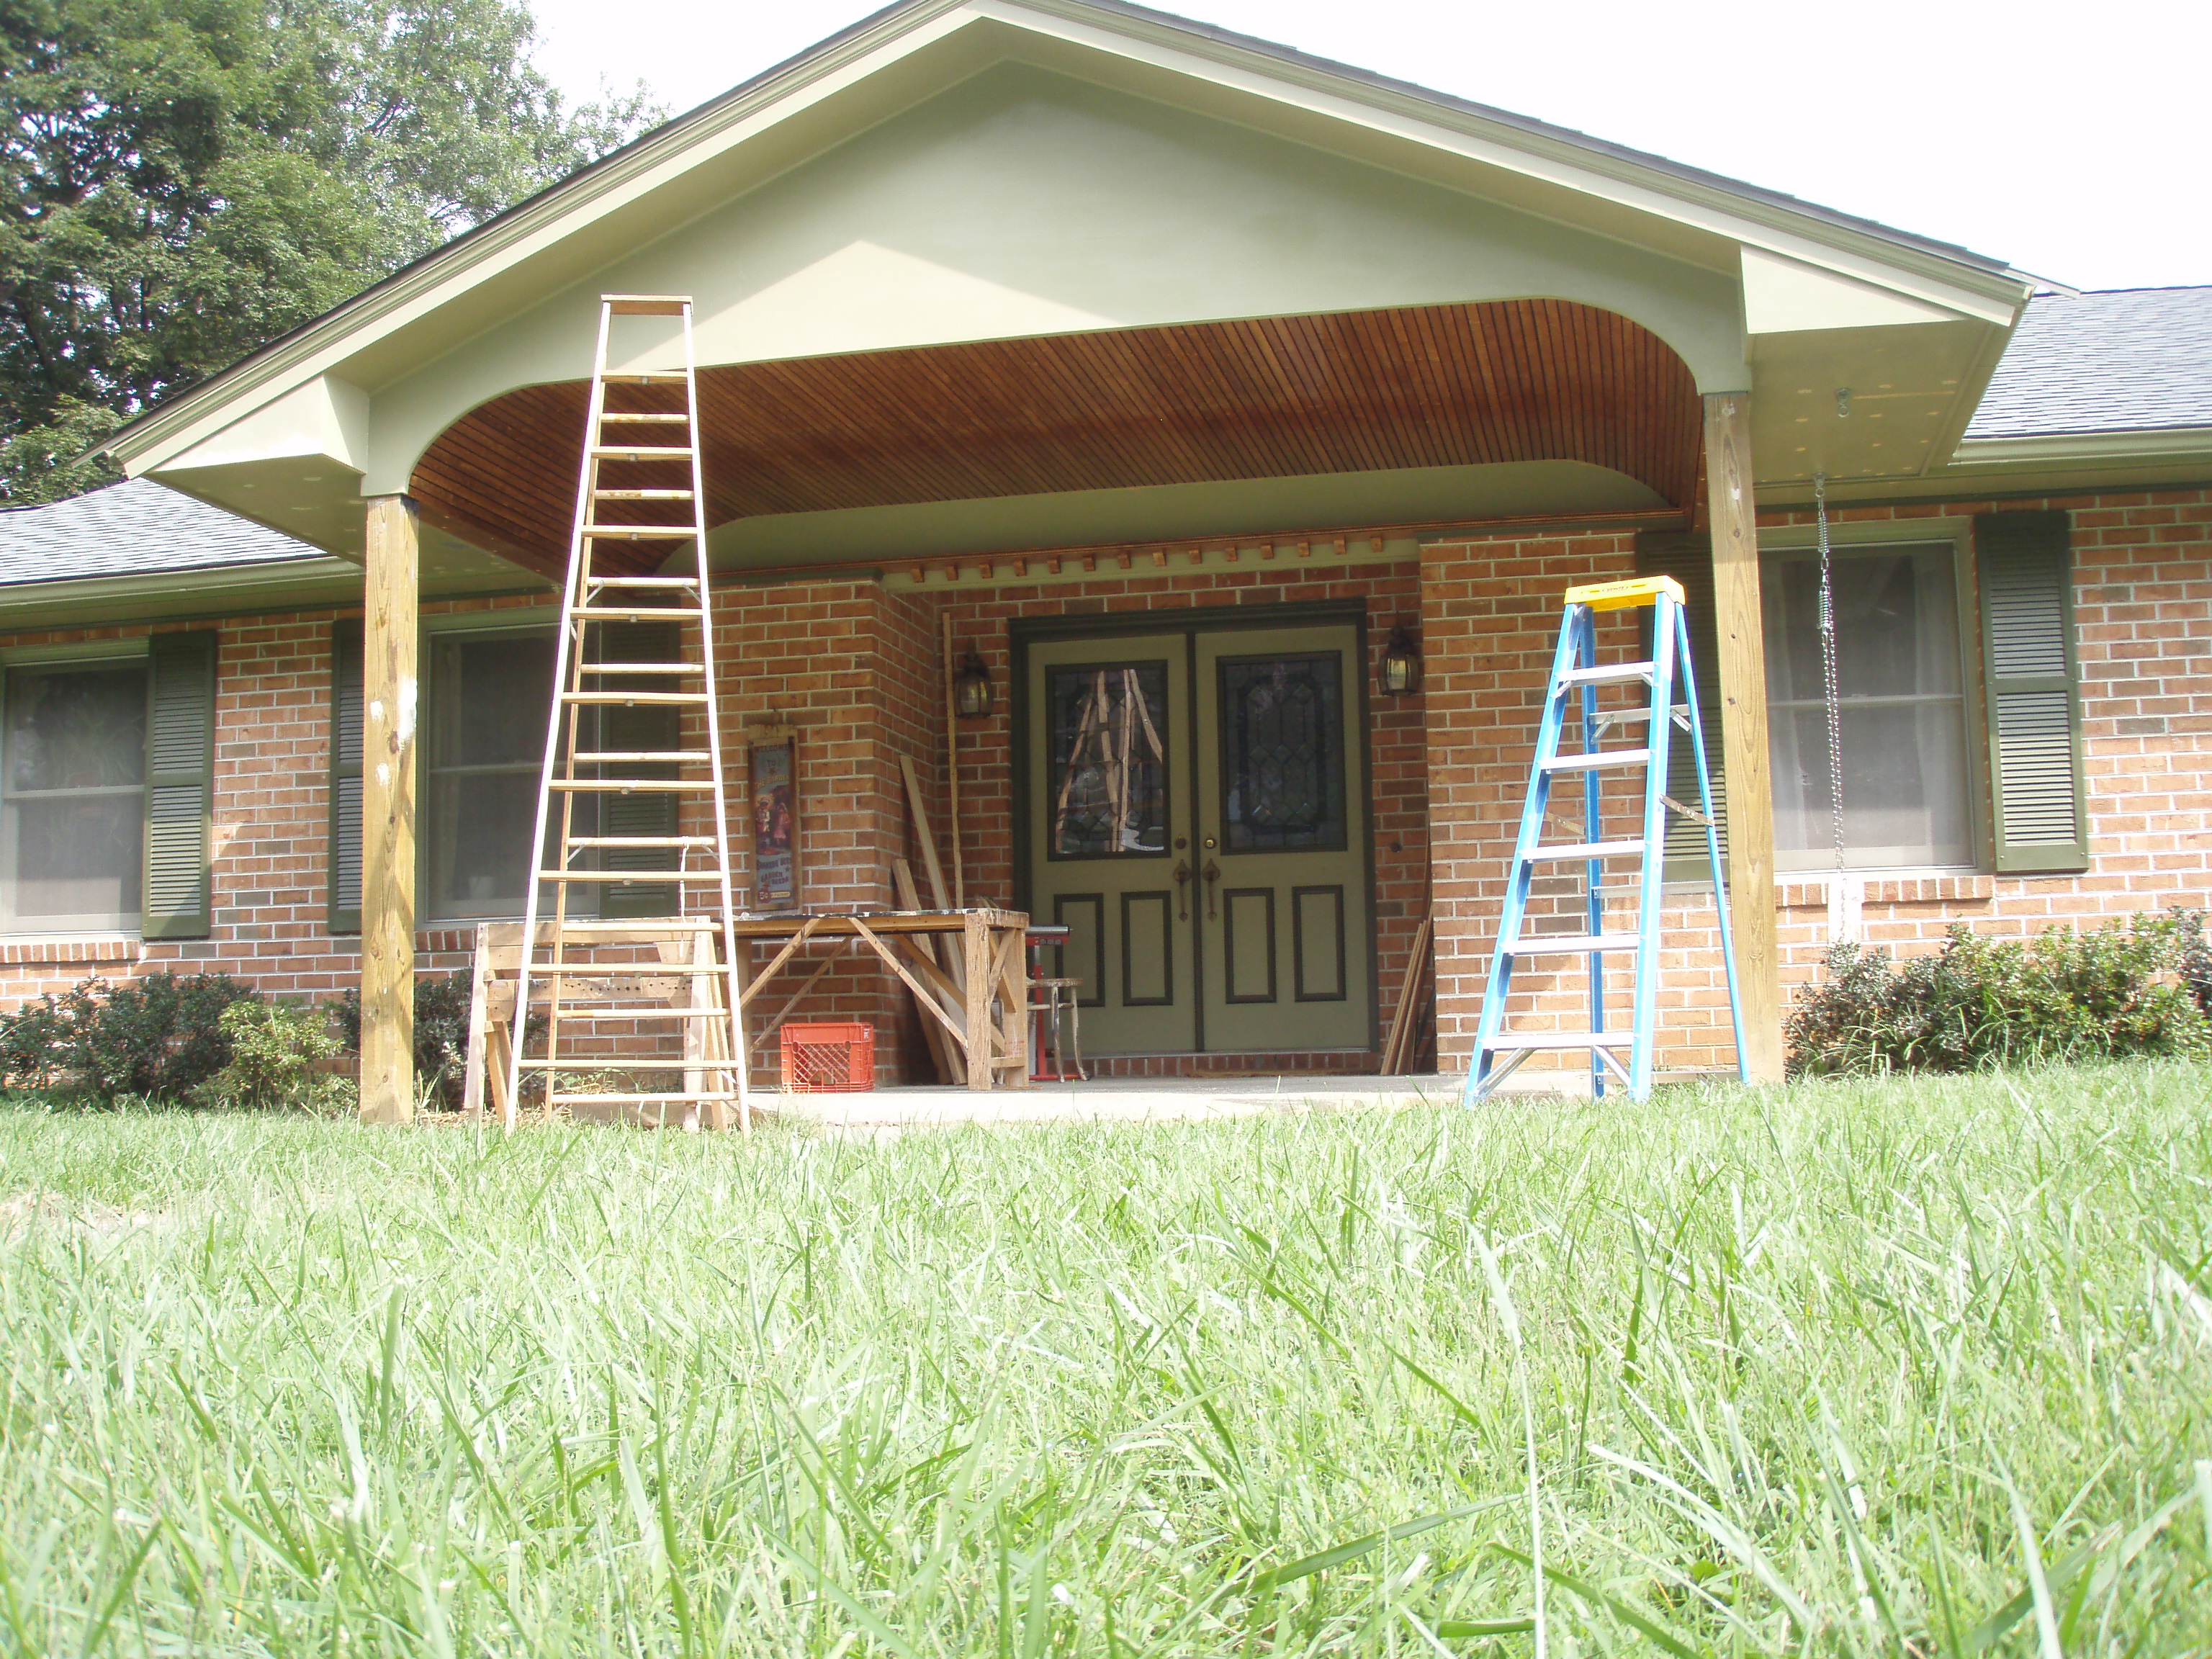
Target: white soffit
<point>1788,296</point>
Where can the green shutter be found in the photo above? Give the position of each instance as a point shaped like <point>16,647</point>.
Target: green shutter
<point>179,786</point>
<point>1689,560</point>
<point>2025,571</point>
<point>638,730</point>
<point>346,718</point>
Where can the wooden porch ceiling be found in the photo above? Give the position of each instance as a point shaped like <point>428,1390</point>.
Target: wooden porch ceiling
<point>1272,396</point>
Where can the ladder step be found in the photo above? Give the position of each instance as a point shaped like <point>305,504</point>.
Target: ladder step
<point>655,1100</point>
<point>1561,944</point>
<point>1610,673</point>
<point>644,668</point>
<point>644,418</point>
<point>643,877</point>
<point>647,377</point>
<point>640,532</point>
<point>641,495</point>
<point>642,452</point>
<point>634,786</point>
<point>1621,1039</point>
<point>544,970</point>
<point>664,757</point>
<point>653,1011</point>
<point>638,613</point>
<point>643,582</point>
<point>608,1063</point>
<point>1579,849</point>
<point>623,698</point>
<point>1603,757</point>
<point>641,841</point>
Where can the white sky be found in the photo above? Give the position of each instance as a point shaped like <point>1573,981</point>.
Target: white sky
<point>2071,140</point>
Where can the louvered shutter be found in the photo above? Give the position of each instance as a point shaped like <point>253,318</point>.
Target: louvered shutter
<point>640,730</point>
<point>1689,560</point>
<point>346,717</point>
<point>179,785</point>
<point>2025,568</point>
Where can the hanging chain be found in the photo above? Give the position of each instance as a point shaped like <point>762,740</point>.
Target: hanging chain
<point>1828,668</point>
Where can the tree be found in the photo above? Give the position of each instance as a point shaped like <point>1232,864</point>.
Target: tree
<point>189,180</point>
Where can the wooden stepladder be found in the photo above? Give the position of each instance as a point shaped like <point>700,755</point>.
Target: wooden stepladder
<point>637,447</point>
<point>1577,676</point>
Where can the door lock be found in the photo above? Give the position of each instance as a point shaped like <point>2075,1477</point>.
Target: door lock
<point>1210,843</point>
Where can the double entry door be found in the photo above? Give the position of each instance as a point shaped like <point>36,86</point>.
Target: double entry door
<point>1196,803</point>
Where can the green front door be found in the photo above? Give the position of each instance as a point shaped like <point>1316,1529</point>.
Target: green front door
<point>1196,815</point>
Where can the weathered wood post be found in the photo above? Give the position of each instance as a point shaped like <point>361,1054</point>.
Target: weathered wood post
<point>389,703</point>
<point>1742,669</point>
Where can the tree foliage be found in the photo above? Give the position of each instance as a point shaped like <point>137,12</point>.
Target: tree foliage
<point>189,180</point>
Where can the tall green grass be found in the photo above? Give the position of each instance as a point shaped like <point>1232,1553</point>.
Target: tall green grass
<point>1910,1367</point>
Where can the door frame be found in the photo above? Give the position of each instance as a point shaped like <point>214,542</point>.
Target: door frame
<point>1190,622</point>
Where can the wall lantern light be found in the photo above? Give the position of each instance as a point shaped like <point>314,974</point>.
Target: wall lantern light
<point>1400,672</point>
<point>971,689</point>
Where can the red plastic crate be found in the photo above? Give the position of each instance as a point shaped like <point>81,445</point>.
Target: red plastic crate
<point>828,1059</point>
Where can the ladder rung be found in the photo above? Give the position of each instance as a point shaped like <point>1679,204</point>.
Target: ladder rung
<point>634,786</point>
<point>1557,944</point>
<point>1562,1040</point>
<point>647,613</point>
<point>644,418</point>
<point>624,697</point>
<point>642,452</point>
<point>658,1010</point>
<point>650,1100</point>
<point>645,305</point>
<point>1578,849</point>
<point>647,377</point>
<point>641,841</point>
<point>640,532</point>
<point>1610,673</point>
<point>641,495</point>
<point>643,582</point>
<point>544,970</point>
<point>644,668</point>
<point>642,878</point>
<point>668,757</point>
<point>1602,757</point>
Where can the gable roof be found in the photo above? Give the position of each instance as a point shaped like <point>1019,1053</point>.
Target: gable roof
<point>2126,360</point>
<point>136,528</point>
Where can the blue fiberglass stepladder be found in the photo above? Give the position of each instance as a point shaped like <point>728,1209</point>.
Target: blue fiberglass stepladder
<point>1575,667</point>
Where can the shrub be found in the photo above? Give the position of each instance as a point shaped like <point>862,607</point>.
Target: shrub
<point>156,1037</point>
<point>274,1051</point>
<point>441,1032</point>
<point>2121,989</point>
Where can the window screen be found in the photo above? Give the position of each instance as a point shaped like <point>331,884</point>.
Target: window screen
<point>1903,734</point>
<point>73,796</point>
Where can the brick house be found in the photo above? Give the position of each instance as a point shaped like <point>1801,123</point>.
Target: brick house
<point>1146,354</point>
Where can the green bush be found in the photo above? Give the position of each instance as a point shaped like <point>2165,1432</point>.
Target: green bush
<point>274,1053</point>
<point>2138,988</point>
<point>156,1037</point>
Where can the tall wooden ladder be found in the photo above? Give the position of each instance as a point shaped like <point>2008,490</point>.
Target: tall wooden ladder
<point>1577,680</point>
<point>637,447</point>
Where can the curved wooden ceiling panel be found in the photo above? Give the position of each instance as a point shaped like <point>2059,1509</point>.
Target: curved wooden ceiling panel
<point>1271,397</point>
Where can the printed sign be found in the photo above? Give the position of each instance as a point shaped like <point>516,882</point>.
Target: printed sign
<point>776,824</point>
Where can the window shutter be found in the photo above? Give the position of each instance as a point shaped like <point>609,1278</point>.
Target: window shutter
<point>637,730</point>
<point>346,715</point>
<point>1689,560</point>
<point>179,785</point>
<point>2025,567</point>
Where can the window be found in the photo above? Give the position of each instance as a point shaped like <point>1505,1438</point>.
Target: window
<point>1110,759</point>
<point>73,795</point>
<point>486,725</point>
<point>1902,700</point>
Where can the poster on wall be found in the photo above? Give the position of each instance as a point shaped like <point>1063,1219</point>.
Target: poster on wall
<point>774,773</point>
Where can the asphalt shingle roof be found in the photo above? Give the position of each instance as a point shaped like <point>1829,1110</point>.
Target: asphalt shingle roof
<point>2130,360</point>
<point>136,528</point>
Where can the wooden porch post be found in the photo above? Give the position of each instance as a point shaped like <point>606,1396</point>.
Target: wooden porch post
<point>1743,728</point>
<point>387,814</point>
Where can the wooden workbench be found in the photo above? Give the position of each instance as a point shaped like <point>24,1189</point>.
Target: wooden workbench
<point>984,1011</point>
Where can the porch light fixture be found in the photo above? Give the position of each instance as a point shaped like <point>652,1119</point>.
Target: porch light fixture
<point>1400,672</point>
<point>971,689</point>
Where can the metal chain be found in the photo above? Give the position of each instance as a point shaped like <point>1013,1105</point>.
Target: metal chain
<point>1828,667</point>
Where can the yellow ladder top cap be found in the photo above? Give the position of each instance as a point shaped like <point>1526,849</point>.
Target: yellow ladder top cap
<point>1625,596</point>
<point>645,305</point>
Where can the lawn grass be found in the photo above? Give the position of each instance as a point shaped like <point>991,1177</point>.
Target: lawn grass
<point>1915,1366</point>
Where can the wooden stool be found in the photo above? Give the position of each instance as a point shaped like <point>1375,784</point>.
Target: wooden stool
<point>1059,993</point>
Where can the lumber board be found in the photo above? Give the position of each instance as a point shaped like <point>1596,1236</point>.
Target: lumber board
<point>387,812</point>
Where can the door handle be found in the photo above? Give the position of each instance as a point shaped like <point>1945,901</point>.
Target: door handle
<point>1182,890</point>
<point>1213,873</point>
